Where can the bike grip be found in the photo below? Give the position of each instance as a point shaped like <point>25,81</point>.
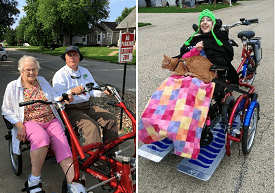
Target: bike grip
<point>65,96</point>
<point>26,103</point>
<point>253,20</point>
<point>112,103</point>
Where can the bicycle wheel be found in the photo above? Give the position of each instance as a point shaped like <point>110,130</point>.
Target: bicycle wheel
<point>250,131</point>
<point>227,108</point>
<point>16,160</point>
<point>248,74</point>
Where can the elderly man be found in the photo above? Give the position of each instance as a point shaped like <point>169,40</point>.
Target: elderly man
<point>72,78</point>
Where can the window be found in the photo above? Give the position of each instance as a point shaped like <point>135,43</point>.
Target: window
<point>103,35</point>
<point>83,39</point>
<point>108,37</point>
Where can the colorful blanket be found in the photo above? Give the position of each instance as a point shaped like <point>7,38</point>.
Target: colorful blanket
<point>177,110</point>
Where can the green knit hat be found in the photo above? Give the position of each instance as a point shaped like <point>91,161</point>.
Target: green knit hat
<point>205,13</point>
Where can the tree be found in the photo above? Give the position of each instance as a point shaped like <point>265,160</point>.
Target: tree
<point>124,14</point>
<point>20,31</point>
<point>35,32</point>
<point>10,36</point>
<point>7,12</point>
<point>73,17</point>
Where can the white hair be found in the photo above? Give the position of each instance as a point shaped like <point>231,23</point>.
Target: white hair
<point>27,58</point>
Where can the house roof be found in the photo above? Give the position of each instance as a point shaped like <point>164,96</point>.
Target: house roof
<point>130,19</point>
<point>111,25</point>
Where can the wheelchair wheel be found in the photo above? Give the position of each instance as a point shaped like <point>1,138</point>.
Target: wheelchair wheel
<point>227,108</point>
<point>250,131</point>
<point>16,160</point>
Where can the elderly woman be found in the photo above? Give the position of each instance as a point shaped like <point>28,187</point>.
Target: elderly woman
<point>38,123</point>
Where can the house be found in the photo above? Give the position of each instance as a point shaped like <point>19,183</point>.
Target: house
<point>104,34</point>
<point>157,3</point>
<point>128,24</point>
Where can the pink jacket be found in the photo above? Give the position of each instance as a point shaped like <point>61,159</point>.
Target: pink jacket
<point>193,52</point>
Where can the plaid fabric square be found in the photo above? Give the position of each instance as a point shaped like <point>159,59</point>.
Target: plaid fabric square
<point>177,110</point>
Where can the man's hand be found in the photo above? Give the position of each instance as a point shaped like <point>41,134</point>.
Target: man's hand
<point>21,133</point>
<point>77,90</point>
<point>107,92</point>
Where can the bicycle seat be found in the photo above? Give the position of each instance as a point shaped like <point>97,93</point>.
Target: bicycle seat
<point>247,34</point>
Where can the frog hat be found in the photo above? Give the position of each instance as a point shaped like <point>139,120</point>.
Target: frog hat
<point>205,13</point>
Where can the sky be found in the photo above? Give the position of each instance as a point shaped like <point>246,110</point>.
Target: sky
<point>116,7</point>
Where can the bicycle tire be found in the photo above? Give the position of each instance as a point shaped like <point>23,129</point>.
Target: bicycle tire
<point>249,133</point>
<point>16,160</point>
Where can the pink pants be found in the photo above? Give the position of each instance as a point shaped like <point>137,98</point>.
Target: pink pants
<point>46,134</point>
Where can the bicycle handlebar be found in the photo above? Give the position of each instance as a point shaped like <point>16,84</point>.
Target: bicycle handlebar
<point>64,97</point>
<point>242,21</point>
<point>34,101</point>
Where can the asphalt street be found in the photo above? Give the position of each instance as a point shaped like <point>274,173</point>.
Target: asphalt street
<point>52,174</point>
<point>238,174</point>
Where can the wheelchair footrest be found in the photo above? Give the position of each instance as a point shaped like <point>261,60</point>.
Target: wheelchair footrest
<point>210,156</point>
<point>156,151</point>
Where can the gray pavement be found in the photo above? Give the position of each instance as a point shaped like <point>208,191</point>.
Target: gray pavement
<point>52,174</point>
<point>238,174</point>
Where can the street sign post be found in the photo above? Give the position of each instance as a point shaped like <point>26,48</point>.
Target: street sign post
<point>126,44</point>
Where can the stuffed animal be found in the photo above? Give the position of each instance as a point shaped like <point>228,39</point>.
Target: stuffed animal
<point>195,66</point>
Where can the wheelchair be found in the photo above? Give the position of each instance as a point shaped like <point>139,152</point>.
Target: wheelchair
<point>232,117</point>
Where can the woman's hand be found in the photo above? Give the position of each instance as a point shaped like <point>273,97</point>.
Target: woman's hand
<point>71,99</point>
<point>199,45</point>
<point>21,133</point>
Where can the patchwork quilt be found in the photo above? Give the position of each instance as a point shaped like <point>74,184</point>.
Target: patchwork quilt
<point>177,110</point>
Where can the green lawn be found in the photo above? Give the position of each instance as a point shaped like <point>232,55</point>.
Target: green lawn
<point>96,53</point>
<point>140,24</point>
<point>177,9</point>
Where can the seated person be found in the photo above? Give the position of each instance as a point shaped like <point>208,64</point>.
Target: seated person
<point>213,44</point>
<point>38,123</point>
<point>72,78</point>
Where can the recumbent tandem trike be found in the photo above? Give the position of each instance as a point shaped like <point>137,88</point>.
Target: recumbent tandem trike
<point>121,174</point>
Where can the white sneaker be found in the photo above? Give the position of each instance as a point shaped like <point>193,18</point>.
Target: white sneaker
<point>34,186</point>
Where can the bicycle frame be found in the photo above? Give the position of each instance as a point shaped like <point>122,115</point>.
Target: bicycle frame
<point>120,178</point>
<point>245,97</point>
<point>245,56</point>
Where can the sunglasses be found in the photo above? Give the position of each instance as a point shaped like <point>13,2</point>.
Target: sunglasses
<point>76,77</point>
